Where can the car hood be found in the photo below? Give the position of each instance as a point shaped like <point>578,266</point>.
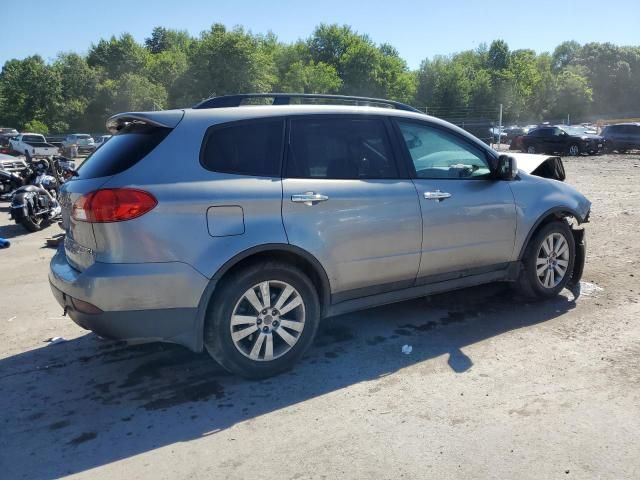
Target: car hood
<point>547,166</point>
<point>591,136</point>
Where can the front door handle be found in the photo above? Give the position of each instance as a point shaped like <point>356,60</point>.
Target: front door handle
<point>437,195</point>
<point>309,198</point>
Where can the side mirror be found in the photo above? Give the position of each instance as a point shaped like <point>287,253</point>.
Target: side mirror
<point>507,168</point>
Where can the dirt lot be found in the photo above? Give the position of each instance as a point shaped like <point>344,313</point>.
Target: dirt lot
<point>493,388</point>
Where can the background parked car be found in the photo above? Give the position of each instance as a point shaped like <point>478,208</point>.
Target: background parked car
<point>564,140</point>
<point>8,132</point>
<point>84,141</point>
<point>622,137</point>
<point>101,140</point>
<point>12,164</point>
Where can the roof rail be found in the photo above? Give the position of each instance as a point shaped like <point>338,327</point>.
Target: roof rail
<point>285,99</point>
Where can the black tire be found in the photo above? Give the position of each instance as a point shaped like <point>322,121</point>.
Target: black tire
<point>217,330</point>
<point>528,283</point>
<point>577,149</point>
<point>27,157</point>
<point>32,224</point>
<point>531,149</point>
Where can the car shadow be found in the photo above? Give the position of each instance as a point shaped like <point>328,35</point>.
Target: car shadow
<point>77,405</point>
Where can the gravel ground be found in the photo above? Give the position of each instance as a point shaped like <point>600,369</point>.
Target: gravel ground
<point>493,388</point>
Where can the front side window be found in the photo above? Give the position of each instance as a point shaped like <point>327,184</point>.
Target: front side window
<point>340,148</point>
<point>439,154</point>
<point>245,148</point>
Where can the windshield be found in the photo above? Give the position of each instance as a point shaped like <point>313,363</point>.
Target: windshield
<point>574,130</point>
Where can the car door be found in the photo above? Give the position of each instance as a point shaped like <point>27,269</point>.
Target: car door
<point>346,202</point>
<point>559,140</point>
<point>468,218</point>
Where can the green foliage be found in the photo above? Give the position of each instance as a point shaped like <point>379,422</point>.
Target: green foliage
<point>36,126</point>
<point>171,69</point>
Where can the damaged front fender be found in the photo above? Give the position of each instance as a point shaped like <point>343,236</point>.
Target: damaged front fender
<point>546,166</point>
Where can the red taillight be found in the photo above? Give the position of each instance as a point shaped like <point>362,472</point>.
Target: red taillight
<point>113,205</point>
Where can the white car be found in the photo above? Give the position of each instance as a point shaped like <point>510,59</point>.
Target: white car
<point>33,145</point>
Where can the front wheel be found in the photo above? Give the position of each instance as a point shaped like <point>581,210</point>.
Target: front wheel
<point>262,320</point>
<point>574,150</point>
<point>548,261</point>
<point>531,149</point>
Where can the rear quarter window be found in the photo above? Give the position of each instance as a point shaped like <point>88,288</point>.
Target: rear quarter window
<point>244,148</point>
<point>126,148</point>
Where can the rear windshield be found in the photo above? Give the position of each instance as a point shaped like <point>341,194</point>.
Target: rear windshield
<point>32,138</point>
<point>125,149</point>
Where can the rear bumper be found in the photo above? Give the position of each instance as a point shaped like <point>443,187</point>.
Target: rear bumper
<point>150,301</point>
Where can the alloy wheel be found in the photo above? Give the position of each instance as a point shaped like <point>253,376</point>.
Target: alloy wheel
<point>574,150</point>
<point>267,321</point>
<point>552,260</point>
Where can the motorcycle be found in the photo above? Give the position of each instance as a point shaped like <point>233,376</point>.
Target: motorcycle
<point>34,205</point>
<point>9,182</point>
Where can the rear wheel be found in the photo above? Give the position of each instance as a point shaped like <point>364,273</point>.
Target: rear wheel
<point>262,320</point>
<point>32,223</point>
<point>548,261</point>
<point>531,149</point>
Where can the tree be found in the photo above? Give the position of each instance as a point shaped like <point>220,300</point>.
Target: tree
<point>30,90</point>
<point>118,56</point>
<point>163,39</point>
<point>574,95</point>
<point>498,55</point>
<point>224,62</point>
<point>310,78</point>
<point>36,126</point>
<point>364,68</point>
<point>565,54</point>
<point>78,86</point>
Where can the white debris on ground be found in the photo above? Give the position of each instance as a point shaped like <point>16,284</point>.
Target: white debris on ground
<point>407,349</point>
<point>589,289</point>
<point>54,340</point>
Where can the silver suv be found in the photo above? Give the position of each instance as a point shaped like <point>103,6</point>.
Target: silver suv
<point>237,228</point>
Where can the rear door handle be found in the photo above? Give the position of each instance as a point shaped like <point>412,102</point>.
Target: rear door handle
<point>437,195</point>
<point>309,198</point>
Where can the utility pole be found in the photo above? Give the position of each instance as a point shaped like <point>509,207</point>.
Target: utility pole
<point>568,119</point>
<point>500,127</point>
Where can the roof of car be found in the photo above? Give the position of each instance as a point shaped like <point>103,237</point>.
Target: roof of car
<point>213,116</point>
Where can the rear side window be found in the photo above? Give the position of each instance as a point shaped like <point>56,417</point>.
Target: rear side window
<point>126,148</point>
<point>245,148</point>
<point>340,148</point>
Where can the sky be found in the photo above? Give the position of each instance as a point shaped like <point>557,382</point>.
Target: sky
<point>418,29</point>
